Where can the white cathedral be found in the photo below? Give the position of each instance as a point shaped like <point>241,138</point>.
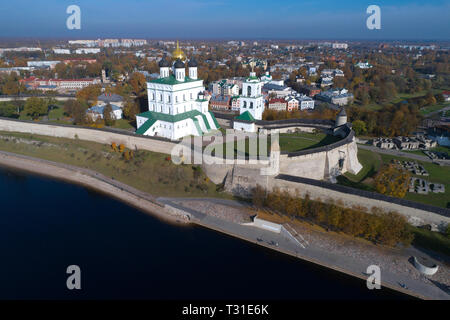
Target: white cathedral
<point>176,103</point>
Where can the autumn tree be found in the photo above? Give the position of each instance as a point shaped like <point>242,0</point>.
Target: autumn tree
<point>36,107</point>
<point>138,83</point>
<point>130,110</point>
<point>76,109</point>
<point>89,94</point>
<point>392,181</point>
<point>359,127</point>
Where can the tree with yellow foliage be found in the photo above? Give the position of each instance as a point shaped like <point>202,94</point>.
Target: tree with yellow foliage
<point>392,181</point>
<point>114,146</point>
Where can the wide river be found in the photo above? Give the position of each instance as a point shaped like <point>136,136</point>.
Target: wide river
<point>47,225</point>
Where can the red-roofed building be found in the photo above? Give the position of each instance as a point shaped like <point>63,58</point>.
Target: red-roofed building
<point>446,95</point>
<point>279,104</point>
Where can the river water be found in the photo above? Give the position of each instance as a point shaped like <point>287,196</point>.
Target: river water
<point>47,225</point>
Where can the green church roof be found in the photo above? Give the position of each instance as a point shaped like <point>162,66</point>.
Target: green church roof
<point>171,80</point>
<point>246,116</point>
<point>170,117</point>
<point>153,116</point>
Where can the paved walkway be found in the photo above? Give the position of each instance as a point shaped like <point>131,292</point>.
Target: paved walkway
<point>401,154</point>
<point>310,251</point>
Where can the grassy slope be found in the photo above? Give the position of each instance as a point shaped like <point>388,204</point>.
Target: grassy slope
<point>148,171</point>
<point>371,161</point>
<point>431,240</point>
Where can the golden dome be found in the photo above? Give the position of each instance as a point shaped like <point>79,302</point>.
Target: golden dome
<point>178,53</point>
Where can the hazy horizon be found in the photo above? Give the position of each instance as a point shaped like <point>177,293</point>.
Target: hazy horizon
<point>228,19</point>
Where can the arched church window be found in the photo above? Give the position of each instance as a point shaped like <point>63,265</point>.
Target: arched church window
<point>249,91</point>
<point>251,105</point>
<point>245,104</point>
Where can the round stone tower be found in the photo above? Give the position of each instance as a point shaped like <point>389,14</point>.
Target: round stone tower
<point>341,118</point>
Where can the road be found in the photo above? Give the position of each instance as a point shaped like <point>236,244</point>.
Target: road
<point>402,154</point>
<point>437,112</point>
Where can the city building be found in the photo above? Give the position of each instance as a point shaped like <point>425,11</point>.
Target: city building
<point>276,90</point>
<point>305,102</point>
<point>58,84</point>
<point>310,91</point>
<point>98,111</point>
<point>363,65</point>
<point>43,64</point>
<point>292,103</point>
<point>176,103</point>
<point>339,97</point>
<point>61,51</point>
<point>111,98</point>
<point>278,104</point>
<point>244,122</point>
<point>87,50</point>
<point>220,102</point>
<point>235,103</point>
<point>339,45</point>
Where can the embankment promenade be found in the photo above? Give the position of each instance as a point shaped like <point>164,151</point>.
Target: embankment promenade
<point>169,212</point>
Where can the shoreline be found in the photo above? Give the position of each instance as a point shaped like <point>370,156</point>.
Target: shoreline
<point>91,180</point>
<point>144,202</point>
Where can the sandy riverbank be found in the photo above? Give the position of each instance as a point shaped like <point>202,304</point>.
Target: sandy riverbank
<point>92,180</point>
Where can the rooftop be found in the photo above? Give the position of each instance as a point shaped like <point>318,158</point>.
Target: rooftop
<point>171,80</point>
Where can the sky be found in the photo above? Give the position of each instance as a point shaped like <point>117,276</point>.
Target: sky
<point>227,19</point>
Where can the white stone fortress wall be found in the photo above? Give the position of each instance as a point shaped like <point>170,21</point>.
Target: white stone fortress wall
<point>130,141</point>
<point>240,179</point>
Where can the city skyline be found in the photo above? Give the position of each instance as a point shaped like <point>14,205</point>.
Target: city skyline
<point>200,19</point>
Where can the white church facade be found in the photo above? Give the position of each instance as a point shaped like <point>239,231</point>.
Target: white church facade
<point>251,104</point>
<point>176,104</point>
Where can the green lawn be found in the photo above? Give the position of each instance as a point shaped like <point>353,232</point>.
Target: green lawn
<point>56,114</point>
<point>431,240</point>
<point>147,171</point>
<point>436,107</point>
<point>291,142</point>
<point>371,162</point>
<point>123,124</point>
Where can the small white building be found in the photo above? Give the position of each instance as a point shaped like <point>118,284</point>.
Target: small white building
<point>244,122</point>
<point>98,111</point>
